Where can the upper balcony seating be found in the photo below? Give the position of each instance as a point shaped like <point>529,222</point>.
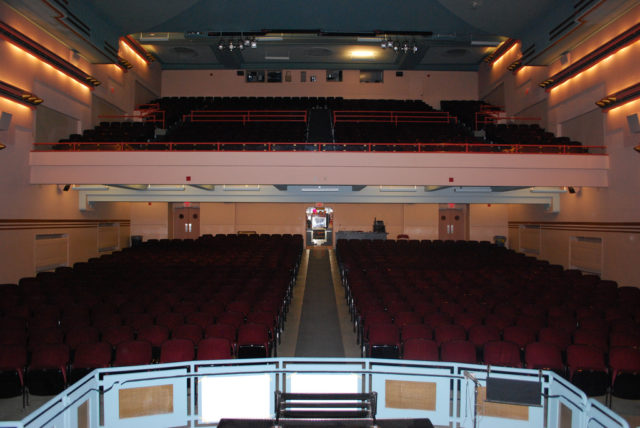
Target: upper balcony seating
<point>478,115</point>
<point>283,123</point>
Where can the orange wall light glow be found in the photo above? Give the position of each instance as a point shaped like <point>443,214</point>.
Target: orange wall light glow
<point>126,50</point>
<point>36,61</point>
<point>511,50</point>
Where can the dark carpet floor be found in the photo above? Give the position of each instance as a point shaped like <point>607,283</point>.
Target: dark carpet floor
<point>319,332</point>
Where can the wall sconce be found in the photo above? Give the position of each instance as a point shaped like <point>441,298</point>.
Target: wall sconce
<point>34,48</point>
<point>619,98</point>
<point>20,95</point>
<point>515,65</point>
<point>637,148</point>
<point>124,64</point>
<point>502,49</point>
<point>2,146</point>
<point>138,49</point>
<point>594,57</point>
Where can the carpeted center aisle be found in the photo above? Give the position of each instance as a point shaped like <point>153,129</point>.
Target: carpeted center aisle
<point>319,332</point>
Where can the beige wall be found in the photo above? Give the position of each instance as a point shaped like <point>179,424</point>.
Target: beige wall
<point>28,210</point>
<point>429,86</point>
<point>610,213</point>
<point>419,221</point>
<point>487,221</point>
<point>150,219</point>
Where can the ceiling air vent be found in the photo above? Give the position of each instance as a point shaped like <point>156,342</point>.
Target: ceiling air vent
<point>154,37</point>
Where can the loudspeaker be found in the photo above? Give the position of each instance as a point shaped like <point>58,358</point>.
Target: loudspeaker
<point>564,58</point>
<point>399,73</point>
<point>632,121</point>
<point>240,73</point>
<point>66,187</point>
<point>5,120</point>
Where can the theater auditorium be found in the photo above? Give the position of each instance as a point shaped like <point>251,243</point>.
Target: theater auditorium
<point>286,214</point>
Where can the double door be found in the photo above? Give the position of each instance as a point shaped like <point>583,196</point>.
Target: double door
<point>186,223</point>
<point>451,225</point>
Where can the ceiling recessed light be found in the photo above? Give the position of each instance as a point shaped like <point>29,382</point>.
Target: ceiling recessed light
<point>362,53</point>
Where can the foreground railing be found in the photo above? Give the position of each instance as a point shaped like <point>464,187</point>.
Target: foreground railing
<point>201,393</point>
<point>381,147</point>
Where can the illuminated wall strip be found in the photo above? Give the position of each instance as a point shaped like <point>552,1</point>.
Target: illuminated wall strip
<point>500,51</point>
<point>137,48</point>
<point>619,98</point>
<point>23,42</point>
<point>515,65</point>
<point>124,64</point>
<point>611,47</point>
<point>19,95</point>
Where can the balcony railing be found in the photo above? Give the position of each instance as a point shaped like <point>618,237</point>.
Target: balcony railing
<point>378,147</point>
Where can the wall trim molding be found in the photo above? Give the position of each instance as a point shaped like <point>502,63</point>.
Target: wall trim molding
<point>37,224</point>
<point>578,226</point>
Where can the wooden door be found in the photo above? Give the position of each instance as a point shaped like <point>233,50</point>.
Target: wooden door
<point>451,225</point>
<point>186,223</point>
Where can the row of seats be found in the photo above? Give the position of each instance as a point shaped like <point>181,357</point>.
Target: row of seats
<point>52,367</point>
<point>109,132</point>
<point>231,287</point>
<point>412,132</point>
<point>468,111</point>
<point>480,293</point>
<point>530,135</point>
<point>235,131</point>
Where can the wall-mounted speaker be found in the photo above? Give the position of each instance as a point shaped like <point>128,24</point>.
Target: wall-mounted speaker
<point>564,58</point>
<point>634,123</point>
<point>399,73</point>
<point>240,73</point>
<point>5,121</point>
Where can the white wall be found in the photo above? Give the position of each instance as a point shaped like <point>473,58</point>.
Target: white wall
<point>28,210</point>
<point>609,213</point>
<point>429,86</point>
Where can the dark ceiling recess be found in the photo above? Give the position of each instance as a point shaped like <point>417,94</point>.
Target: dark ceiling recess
<point>94,28</point>
<point>318,52</point>
<point>185,52</point>
<point>456,53</point>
